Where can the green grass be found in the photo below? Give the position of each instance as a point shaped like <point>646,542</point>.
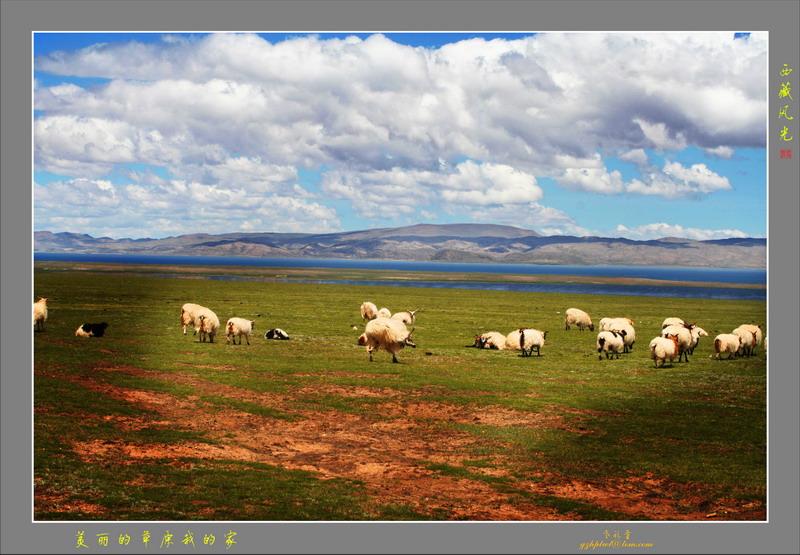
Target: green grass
<point>701,422</point>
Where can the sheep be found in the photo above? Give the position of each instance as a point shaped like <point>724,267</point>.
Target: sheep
<point>765,346</point>
<point>238,327</point>
<point>756,329</point>
<point>277,333</point>
<point>696,332</point>
<point>748,340</point>
<point>369,311</point>
<point>384,313</point>
<point>611,342</point>
<point>525,340</point>
<point>391,335</point>
<point>727,343</point>
<point>490,340</point>
<point>207,323</point>
<point>80,332</point>
<point>40,313</point>
<point>91,330</point>
<point>663,348</point>
<point>407,316</point>
<point>684,336</point>
<point>608,324</point>
<point>188,312</point>
<point>579,317</point>
<point>622,327</point>
<point>672,322</point>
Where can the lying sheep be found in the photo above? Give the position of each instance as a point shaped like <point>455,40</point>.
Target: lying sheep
<point>684,336</point>
<point>92,330</point>
<point>525,340</point>
<point>663,348</point>
<point>81,332</point>
<point>369,311</point>
<point>611,343</point>
<point>490,340</point>
<point>277,333</point>
<point>39,314</point>
<point>727,343</point>
<point>387,334</point>
<point>188,312</point>
<point>576,316</point>
<point>238,327</point>
<point>207,324</point>
<point>407,316</point>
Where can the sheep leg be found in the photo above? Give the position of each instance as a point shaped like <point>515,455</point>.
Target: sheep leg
<point>246,338</point>
<point>394,358</point>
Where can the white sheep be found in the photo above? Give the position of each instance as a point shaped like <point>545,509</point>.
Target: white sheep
<point>697,332</point>
<point>207,324</point>
<point>390,335</point>
<point>758,333</point>
<point>238,327</point>
<point>749,340</point>
<point>490,340</point>
<point>576,316</point>
<point>727,343</point>
<point>672,322</point>
<point>609,342</point>
<point>525,340</point>
<point>188,312</point>
<point>384,313</point>
<point>407,316</point>
<point>626,330</point>
<point>369,311</point>
<point>663,348</point>
<point>684,336</point>
<point>40,313</point>
<point>608,324</point>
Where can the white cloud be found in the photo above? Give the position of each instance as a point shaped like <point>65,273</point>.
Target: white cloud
<point>638,156</point>
<point>661,230</point>
<point>677,181</point>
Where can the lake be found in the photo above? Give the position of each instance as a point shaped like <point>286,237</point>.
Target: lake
<point>668,273</point>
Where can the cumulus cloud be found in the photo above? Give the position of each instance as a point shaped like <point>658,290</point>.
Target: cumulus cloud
<point>473,126</point>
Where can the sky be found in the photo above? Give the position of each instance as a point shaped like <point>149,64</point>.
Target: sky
<point>635,135</point>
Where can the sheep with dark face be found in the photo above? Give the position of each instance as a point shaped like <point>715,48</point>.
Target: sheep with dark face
<point>91,330</point>
<point>387,334</point>
<point>577,317</point>
<point>490,340</point>
<point>276,333</point>
<point>611,343</point>
<point>526,340</point>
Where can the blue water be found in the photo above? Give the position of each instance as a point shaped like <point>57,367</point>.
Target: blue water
<point>722,275</point>
<point>670,273</point>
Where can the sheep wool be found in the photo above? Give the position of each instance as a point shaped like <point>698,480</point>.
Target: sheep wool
<point>684,336</point>
<point>369,311</point>
<point>663,348</point>
<point>188,312</point>
<point>525,340</point>
<point>490,340</point>
<point>238,327</point>
<point>206,324</point>
<point>610,343</point>
<point>727,343</point>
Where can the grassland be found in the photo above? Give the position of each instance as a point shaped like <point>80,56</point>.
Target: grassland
<point>149,424</point>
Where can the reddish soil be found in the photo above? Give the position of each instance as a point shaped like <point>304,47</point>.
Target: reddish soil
<point>390,449</point>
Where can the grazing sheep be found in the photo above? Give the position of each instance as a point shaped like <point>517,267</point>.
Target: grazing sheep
<point>672,322</point>
<point>663,348</point>
<point>369,311</point>
<point>576,316</point>
<point>748,340</point>
<point>490,340</point>
<point>696,332</point>
<point>384,313</point>
<point>685,340</point>
<point>727,343</point>
<point>525,340</point>
<point>756,329</point>
<point>207,323</point>
<point>610,342</point>
<point>407,316</point>
<point>188,312</point>
<point>277,333</point>
<point>391,335</point>
<point>238,327</point>
<point>40,313</point>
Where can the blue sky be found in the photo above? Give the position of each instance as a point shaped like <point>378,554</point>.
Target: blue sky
<point>638,135</point>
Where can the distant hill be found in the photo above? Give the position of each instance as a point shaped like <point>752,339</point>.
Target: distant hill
<point>449,242</point>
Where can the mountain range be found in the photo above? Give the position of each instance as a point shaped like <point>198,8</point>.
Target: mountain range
<point>448,242</point>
